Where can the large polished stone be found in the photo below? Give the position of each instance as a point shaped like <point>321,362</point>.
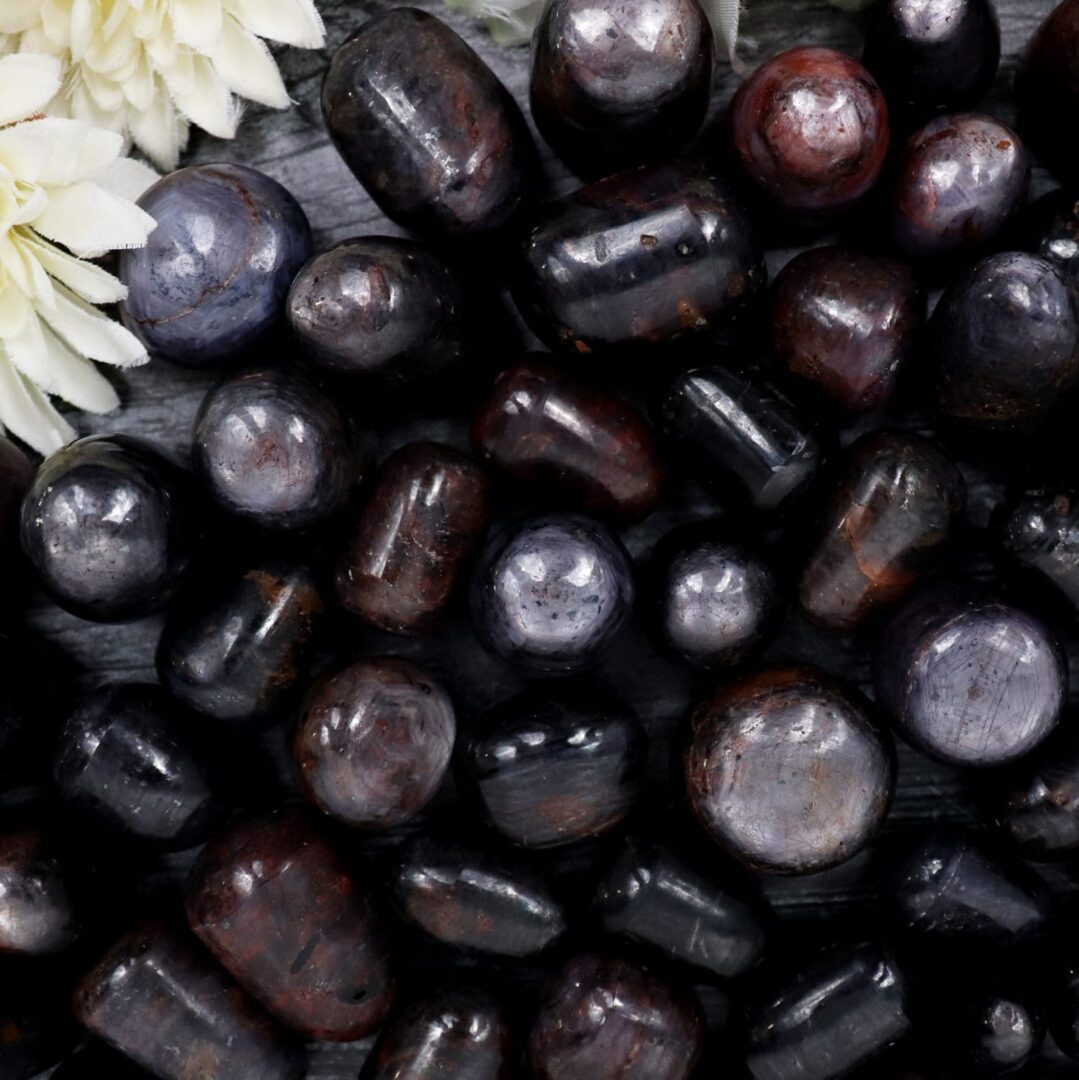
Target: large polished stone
<point>38,895</point>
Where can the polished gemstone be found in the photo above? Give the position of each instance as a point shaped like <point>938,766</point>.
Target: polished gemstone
<point>38,913</point>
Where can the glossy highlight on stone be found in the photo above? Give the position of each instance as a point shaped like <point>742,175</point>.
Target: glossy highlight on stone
<point>383,307</point>
<point>654,896</point>
<point>273,448</point>
<point>810,128</point>
<point>1047,88</point>
<point>969,679</point>
<point>786,770</point>
<point>1049,227</point>
<point>1037,807</point>
<point>456,1032</point>
<point>933,56</point>
<point>615,85</point>
<point>463,161</point>
<point>1004,341</point>
<point>38,914</point>
<point>741,436</point>
<point>950,888</point>
<point>124,761</point>
<point>960,180</point>
<point>844,323</point>
<point>898,500</point>
<point>608,1019</point>
<point>276,906</point>
<point>550,594</point>
<point>575,441</point>
<point>412,538</point>
<point>831,1018</point>
<point>655,254</point>
<point>237,647</point>
<point>159,998</point>
<point>110,526</point>
<point>996,1032</point>
<point>717,601</point>
<point>1039,531</point>
<point>211,280</point>
<point>482,897</point>
<point>374,741</point>
<point>552,770</point>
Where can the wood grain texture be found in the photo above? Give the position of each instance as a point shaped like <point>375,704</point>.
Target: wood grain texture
<point>160,402</point>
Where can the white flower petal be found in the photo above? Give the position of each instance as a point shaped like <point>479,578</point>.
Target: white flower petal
<point>88,280</point>
<point>245,64</point>
<point>91,334</point>
<point>206,101</point>
<point>292,22</point>
<point>15,310</point>
<point>725,16</point>
<point>28,81</point>
<point>198,22</point>
<point>88,220</point>
<point>18,15</point>
<point>159,132</point>
<point>127,178</point>
<point>46,361</point>
<point>27,414</point>
<point>53,151</point>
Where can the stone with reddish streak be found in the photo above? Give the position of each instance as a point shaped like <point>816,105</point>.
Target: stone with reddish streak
<point>161,1000</point>
<point>576,441</point>
<point>786,770</point>
<point>897,502</point>
<point>463,161</point>
<point>551,770</point>
<point>844,322</point>
<point>423,520</point>
<point>274,904</point>
<point>374,741</point>
<point>810,128</point>
<point>608,1019</point>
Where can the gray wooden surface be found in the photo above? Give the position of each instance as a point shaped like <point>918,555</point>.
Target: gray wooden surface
<point>160,402</point>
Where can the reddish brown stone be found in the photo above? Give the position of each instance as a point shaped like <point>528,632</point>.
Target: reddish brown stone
<point>275,905</point>
<point>161,1000</point>
<point>581,443</point>
<point>424,519</point>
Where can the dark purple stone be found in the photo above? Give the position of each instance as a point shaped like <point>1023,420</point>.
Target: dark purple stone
<point>552,593</point>
<point>646,256</point>
<point>159,998</point>
<point>574,440</point>
<point>742,437</point>
<point>485,898</point>
<point>374,741</point>
<point>960,180</point>
<point>1049,227</point>
<point>213,276</point>
<point>810,128</point>
<point>110,526</point>
<point>717,600</point>
<point>786,770</point>
<point>412,538</point>
<point>607,1019</point>
<point>615,85</point>
<point>932,56</point>
<point>948,888</point>
<point>970,680</point>
<point>99,1062</point>
<point>463,161</point>
<point>1039,532</point>
<point>845,322</point>
<point>831,1018</point>
<point>1047,89</point>
<point>455,1033</point>
<point>38,915</point>
<point>237,647</point>
<point>271,899</point>
<point>383,307</point>
<point>125,761</point>
<point>899,499</point>
<point>273,448</point>
<point>689,914</point>
<point>1005,343</point>
<point>552,770</point>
